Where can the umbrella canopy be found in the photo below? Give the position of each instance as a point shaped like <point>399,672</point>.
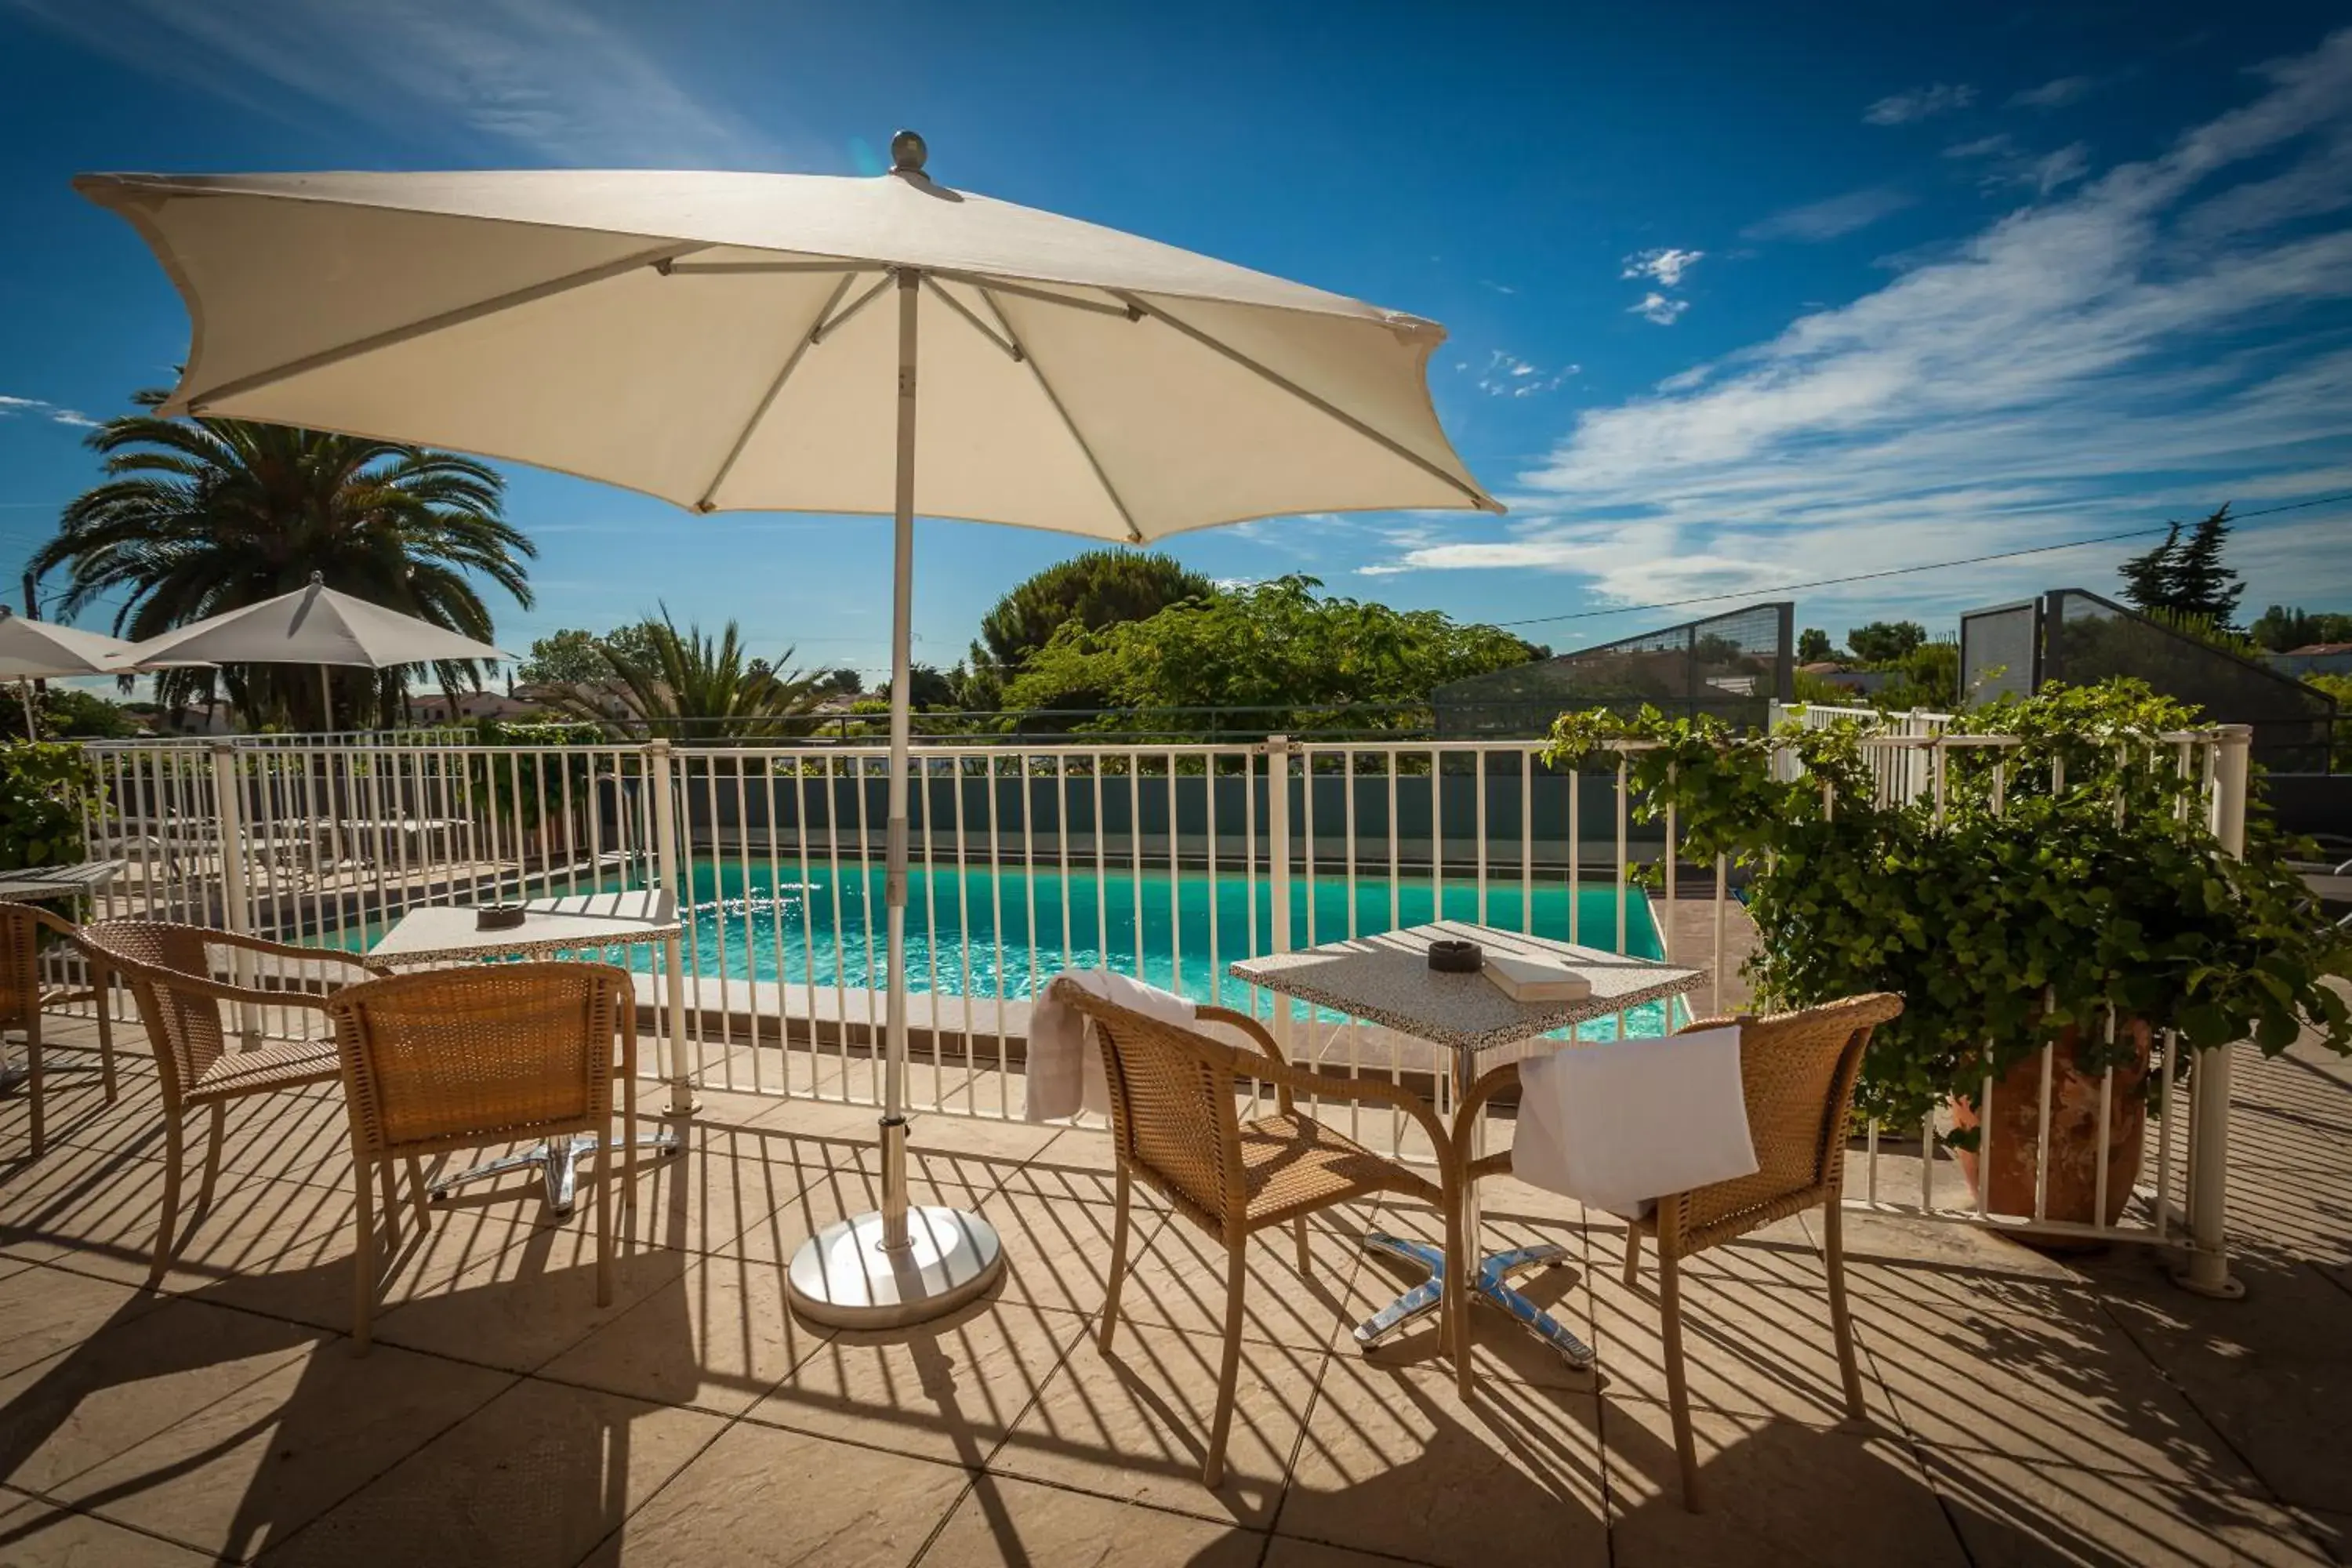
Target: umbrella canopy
<point>43,649</point>
<point>714,339</point>
<point>765,341</point>
<point>314,624</point>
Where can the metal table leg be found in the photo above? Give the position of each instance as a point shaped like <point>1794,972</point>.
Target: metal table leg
<point>558,1161</point>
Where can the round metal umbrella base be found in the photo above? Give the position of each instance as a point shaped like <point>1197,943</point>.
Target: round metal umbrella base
<point>845,1278</point>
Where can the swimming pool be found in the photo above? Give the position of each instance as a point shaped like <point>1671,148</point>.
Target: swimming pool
<point>822,924</point>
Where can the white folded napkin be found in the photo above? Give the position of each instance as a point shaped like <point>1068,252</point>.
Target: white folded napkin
<point>1065,1069</point>
<point>1619,1123</point>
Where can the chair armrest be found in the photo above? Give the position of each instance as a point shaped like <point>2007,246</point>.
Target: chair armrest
<point>1371,1090</point>
<point>194,985</point>
<point>307,954</point>
<point>1257,1032</point>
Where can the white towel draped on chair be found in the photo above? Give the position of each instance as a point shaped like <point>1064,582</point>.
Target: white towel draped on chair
<point>1066,1071</point>
<point>1617,1124</point>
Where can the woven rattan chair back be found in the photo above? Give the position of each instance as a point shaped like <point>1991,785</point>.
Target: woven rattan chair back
<point>20,975</point>
<point>1797,1072</point>
<point>483,1053</point>
<point>1173,1114</point>
<point>185,1026</point>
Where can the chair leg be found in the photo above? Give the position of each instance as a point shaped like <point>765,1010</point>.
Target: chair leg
<point>605,1226</point>
<point>362,1257</point>
<point>1453,1309</point>
<point>1305,1258</point>
<point>103,983</point>
<point>1841,1319</point>
<point>171,1198</point>
<point>629,1118</point>
<point>1670,1311</point>
<point>1633,1255</point>
<point>1212,1464</point>
<point>1117,1259</point>
<point>34,1084</point>
<point>215,1139</point>
<point>391,1203</point>
<point>419,1196</point>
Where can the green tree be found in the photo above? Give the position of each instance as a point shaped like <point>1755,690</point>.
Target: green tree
<point>196,517</point>
<point>690,686</point>
<point>2282,630</point>
<point>1813,646</point>
<point>565,658</point>
<point>1312,660</point>
<point>1886,642</point>
<point>2198,583</point>
<point>71,713</point>
<point>2148,579</point>
<point>1092,591</point>
<point>839,683</point>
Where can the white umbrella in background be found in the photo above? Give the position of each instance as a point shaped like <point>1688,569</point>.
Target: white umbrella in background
<point>708,338</point>
<point>43,650</point>
<point>314,624</point>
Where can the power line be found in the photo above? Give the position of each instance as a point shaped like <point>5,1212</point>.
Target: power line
<point>1903,571</point>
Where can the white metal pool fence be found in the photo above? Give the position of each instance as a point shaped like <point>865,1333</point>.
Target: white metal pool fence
<point>326,842</point>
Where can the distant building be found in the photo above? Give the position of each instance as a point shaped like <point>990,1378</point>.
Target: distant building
<point>2315,658</point>
<point>472,705</point>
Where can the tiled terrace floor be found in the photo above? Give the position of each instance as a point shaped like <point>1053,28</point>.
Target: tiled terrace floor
<point>2025,1410</point>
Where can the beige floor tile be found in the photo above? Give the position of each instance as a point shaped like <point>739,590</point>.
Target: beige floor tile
<point>2275,1380</point>
<point>1393,1462</point>
<point>2330,1529</point>
<point>130,1381</point>
<point>248,1470</point>
<point>1133,1425</point>
<point>37,1535</point>
<point>2071,1391</point>
<point>1005,1521</point>
<point>1179,1280</point>
<point>1287,1552</point>
<point>50,1310</point>
<point>520,1308</point>
<point>764,1498</point>
<point>1009,1142</point>
<point>538,1476</point>
<point>1890,1256</point>
<point>1774,1492</point>
<point>948,1390</point>
<point>1057,1254</point>
<point>2009,1511</point>
<point>727,1181</point>
<point>833,1195</point>
<point>718,1337</point>
<point>1749,1349</point>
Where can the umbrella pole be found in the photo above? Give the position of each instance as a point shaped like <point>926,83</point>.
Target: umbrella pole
<point>900,1265</point>
<point>25,691</point>
<point>326,702</point>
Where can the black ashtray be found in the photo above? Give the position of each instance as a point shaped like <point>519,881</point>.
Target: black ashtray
<point>1451,956</point>
<point>499,917</point>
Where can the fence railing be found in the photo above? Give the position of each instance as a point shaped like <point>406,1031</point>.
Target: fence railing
<point>1167,862</point>
<point>1902,773</point>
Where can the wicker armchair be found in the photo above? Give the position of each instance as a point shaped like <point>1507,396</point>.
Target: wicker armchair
<point>20,1005</point>
<point>1797,1073</point>
<point>1177,1127</point>
<point>454,1059</point>
<point>174,973</point>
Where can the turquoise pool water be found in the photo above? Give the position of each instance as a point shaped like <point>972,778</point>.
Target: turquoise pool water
<point>823,925</point>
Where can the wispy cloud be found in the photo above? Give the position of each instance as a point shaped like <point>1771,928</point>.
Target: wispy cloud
<point>1828,219</point>
<point>1920,103</point>
<point>1663,264</point>
<point>1657,308</point>
<point>1999,144</point>
<point>42,408</point>
<point>1508,375</point>
<point>2055,94</point>
<point>2079,366</point>
<point>554,81</point>
<point>2008,165</point>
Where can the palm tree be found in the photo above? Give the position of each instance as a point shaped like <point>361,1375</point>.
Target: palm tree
<point>201,516</point>
<point>687,686</point>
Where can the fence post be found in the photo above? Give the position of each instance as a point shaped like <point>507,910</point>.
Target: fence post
<point>665,870</point>
<point>229,815</point>
<point>2207,1271</point>
<point>1277,865</point>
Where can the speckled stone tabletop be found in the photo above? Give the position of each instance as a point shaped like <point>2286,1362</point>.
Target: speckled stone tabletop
<point>576,922</point>
<point>1387,980</point>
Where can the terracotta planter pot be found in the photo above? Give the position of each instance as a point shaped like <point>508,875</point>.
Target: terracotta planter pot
<point>2074,1133</point>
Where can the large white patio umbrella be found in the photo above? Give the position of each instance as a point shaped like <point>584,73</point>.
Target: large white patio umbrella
<point>43,650</point>
<point>314,624</point>
<point>708,338</point>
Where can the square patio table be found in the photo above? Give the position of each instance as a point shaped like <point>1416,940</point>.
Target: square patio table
<point>445,934</point>
<point>1387,980</point>
<point>37,884</point>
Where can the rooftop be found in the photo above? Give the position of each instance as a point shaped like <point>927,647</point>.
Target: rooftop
<point>2025,1408</point>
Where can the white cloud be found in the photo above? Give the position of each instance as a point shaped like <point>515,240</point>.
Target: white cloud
<point>41,407</point>
<point>1663,264</point>
<point>1656,307</point>
<point>556,82</point>
<point>1920,103</point>
<point>1998,144</point>
<point>1508,375</point>
<point>2055,94</point>
<point>1828,219</point>
<point>2080,367</point>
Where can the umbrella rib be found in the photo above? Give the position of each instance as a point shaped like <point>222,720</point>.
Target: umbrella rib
<point>983,328</point>
<point>826,326</point>
<point>1477,498</point>
<point>1023,355</point>
<point>1023,291</point>
<point>792,363</point>
<point>199,402</point>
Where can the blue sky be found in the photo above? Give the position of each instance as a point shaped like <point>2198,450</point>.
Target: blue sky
<point>1739,296</point>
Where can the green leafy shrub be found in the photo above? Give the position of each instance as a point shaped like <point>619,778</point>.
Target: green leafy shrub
<point>2064,878</point>
<point>44,788</point>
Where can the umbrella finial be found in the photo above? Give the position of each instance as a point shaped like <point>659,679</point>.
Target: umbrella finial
<point>907,153</point>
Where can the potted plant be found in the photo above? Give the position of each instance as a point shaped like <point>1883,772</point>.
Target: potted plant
<point>2062,889</point>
